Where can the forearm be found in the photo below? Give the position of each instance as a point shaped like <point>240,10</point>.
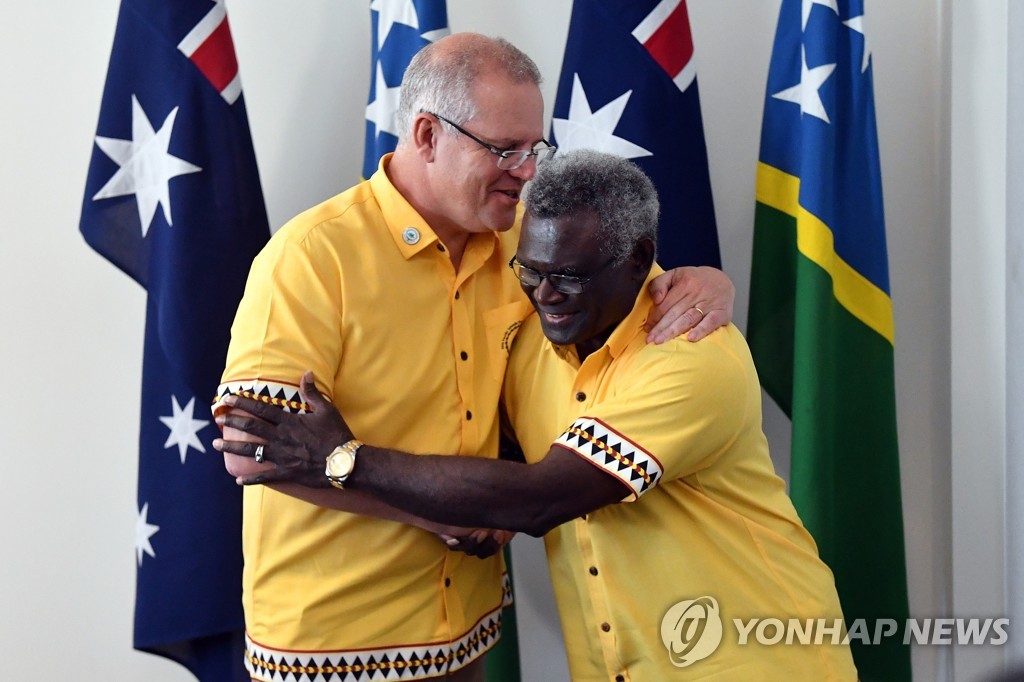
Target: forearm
<point>463,491</point>
<point>358,502</point>
<point>352,501</point>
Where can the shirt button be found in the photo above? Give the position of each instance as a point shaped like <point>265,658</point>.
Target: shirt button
<point>593,570</point>
<point>410,235</point>
<point>447,582</point>
<point>620,678</point>
<point>581,396</point>
<point>464,355</point>
<point>457,296</point>
<point>469,415</point>
<point>440,247</point>
<point>605,627</point>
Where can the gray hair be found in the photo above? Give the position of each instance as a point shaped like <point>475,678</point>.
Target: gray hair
<point>622,196</point>
<point>440,76</point>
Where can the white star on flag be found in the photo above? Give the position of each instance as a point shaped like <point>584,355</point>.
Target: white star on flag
<point>857,24</point>
<point>808,5</point>
<point>183,428</point>
<point>384,105</point>
<point>144,530</point>
<point>391,12</point>
<point>805,93</point>
<point>145,165</point>
<point>435,35</point>
<point>585,129</point>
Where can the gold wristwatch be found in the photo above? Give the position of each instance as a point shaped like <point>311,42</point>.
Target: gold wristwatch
<point>341,462</point>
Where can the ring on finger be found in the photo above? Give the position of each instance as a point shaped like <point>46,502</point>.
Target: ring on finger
<point>259,454</point>
<point>702,313</point>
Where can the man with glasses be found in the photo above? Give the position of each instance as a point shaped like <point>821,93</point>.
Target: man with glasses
<point>391,292</point>
<point>673,432</point>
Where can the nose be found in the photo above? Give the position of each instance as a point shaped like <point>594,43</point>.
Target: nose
<point>545,294</point>
<point>526,171</point>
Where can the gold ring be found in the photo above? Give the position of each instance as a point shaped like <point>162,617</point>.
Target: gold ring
<point>702,313</point>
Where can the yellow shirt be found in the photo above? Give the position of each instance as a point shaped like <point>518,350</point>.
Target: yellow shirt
<point>360,290</point>
<point>679,425</point>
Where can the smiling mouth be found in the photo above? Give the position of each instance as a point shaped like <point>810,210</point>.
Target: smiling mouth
<point>556,318</point>
<point>511,194</point>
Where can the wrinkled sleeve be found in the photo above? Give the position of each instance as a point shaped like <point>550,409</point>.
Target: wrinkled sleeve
<point>676,409</point>
<point>289,320</point>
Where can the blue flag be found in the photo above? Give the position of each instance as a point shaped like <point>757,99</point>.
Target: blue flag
<point>173,198</point>
<point>629,87</point>
<point>400,29</point>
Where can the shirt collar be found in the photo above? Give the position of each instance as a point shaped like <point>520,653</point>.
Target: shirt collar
<point>403,221</point>
<point>410,231</point>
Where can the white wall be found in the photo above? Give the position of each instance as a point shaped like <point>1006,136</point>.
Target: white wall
<point>987,178</point>
<point>70,349</point>
<point>1015,323</point>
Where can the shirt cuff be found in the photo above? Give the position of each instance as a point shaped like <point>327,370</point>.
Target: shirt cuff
<point>285,396</point>
<point>611,451</point>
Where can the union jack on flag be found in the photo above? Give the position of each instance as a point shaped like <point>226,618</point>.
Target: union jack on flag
<point>173,199</point>
<point>629,87</point>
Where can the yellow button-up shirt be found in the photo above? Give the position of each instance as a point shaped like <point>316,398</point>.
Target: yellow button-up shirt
<point>679,424</point>
<point>360,290</point>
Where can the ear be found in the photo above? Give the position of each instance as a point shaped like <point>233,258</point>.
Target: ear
<point>424,136</point>
<point>643,258</point>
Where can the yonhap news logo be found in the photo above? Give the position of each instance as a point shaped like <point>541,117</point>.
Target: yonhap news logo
<point>693,629</point>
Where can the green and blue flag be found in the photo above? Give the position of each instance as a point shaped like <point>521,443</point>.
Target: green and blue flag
<point>821,316</point>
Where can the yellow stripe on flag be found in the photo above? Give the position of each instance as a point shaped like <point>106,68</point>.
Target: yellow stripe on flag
<point>856,293</point>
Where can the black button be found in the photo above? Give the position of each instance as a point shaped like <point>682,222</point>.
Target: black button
<point>593,570</point>
<point>440,247</point>
<point>620,678</point>
<point>581,396</point>
<point>469,415</point>
<point>464,355</point>
<point>457,295</point>
<point>605,627</point>
<point>447,582</point>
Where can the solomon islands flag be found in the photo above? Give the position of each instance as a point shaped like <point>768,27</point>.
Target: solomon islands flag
<point>629,87</point>
<point>400,29</point>
<point>173,199</point>
<point>821,316</point>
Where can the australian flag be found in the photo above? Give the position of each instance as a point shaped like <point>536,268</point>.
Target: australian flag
<point>400,29</point>
<point>173,199</point>
<point>629,87</point>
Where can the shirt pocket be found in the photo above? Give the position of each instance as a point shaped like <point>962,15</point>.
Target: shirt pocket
<point>501,325</point>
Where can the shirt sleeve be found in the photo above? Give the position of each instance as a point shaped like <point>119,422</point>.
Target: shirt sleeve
<point>289,320</point>
<point>671,413</point>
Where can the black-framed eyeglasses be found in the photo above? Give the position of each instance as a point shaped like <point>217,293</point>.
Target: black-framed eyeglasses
<point>566,284</point>
<point>508,159</point>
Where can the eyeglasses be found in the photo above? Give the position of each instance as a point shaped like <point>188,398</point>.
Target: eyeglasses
<point>508,159</point>
<point>566,284</point>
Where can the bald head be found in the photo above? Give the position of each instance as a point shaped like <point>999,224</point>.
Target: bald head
<point>441,75</point>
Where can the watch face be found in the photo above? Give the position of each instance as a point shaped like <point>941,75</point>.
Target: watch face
<point>340,463</point>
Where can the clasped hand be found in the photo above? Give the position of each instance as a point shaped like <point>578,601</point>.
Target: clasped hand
<point>296,444</point>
